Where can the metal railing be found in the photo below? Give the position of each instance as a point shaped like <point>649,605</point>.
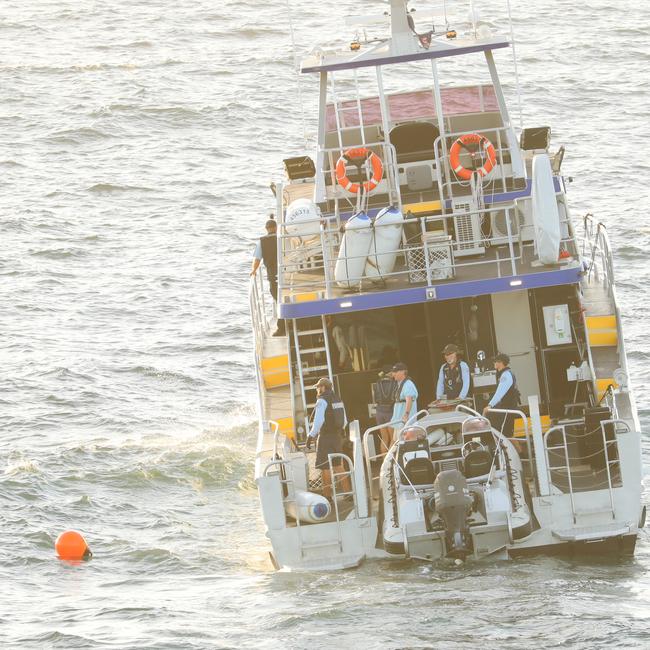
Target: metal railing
<point>286,478</point>
<point>370,458</point>
<point>570,461</point>
<point>447,178</point>
<point>597,252</point>
<point>309,264</point>
<point>597,255</point>
<point>261,310</point>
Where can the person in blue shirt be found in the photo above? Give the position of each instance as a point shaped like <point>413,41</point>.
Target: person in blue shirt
<point>406,395</point>
<point>328,424</point>
<point>454,377</point>
<point>506,396</point>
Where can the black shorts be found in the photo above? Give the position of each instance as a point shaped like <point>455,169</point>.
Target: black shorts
<point>328,443</point>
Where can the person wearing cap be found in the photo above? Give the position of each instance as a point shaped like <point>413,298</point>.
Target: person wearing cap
<point>454,377</point>
<point>506,396</point>
<point>328,424</point>
<point>383,392</point>
<point>266,251</point>
<point>406,395</point>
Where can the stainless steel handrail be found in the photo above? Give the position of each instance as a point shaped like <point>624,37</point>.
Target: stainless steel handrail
<point>370,458</point>
<point>564,446</point>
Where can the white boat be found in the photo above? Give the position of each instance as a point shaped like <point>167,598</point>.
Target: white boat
<point>488,258</point>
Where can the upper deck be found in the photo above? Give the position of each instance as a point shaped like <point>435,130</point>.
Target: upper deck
<point>444,161</point>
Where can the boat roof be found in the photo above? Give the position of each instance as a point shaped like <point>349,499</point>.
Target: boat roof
<point>329,61</point>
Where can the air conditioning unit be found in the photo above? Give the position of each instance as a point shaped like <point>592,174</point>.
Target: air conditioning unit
<point>467,225</point>
<point>521,218</point>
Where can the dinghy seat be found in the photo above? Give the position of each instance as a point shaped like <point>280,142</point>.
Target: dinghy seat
<point>415,461</point>
<point>477,463</point>
<point>419,471</point>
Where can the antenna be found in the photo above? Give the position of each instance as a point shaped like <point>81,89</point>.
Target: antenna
<point>297,72</point>
<point>514,59</point>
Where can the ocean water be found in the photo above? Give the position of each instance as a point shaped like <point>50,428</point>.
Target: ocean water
<point>137,141</point>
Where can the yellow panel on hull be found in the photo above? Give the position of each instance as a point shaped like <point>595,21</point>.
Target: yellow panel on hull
<point>275,371</point>
<point>602,331</point>
<point>602,384</point>
<point>286,427</point>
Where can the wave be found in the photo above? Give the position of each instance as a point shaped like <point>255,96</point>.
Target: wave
<point>165,375</point>
<point>110,188</point>
<point>60,253</point>
<point>77,136</point>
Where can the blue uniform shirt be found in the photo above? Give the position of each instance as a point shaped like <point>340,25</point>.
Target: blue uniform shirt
<point>408,390</point>
<point>440,388</point>
<point>505,383</point>
<point>319,417</point>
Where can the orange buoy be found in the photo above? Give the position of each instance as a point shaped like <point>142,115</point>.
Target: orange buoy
<point>70,545</point>
<point>361,155</point>
<point>472,139</point>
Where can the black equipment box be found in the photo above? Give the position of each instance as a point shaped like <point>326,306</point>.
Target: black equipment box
<point>299,168</point>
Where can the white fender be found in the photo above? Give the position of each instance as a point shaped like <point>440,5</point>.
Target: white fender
<point>302,219</point>
<point>308,507</point>
<point>353,252</point>
<point>386,238</point>
<point>546,217</point>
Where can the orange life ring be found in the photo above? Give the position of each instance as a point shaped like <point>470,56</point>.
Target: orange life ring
<point>472,138</point>
<point>355,154</point>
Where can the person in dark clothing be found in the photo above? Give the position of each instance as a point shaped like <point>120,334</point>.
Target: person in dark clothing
<point>383,392</point>
<point>329,422</point>
<point>454,377</point>
<point>267,251</point>
<point>506,396</point>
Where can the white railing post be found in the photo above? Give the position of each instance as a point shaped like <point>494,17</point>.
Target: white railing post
<point>359,478</point>
<point>541,464</point>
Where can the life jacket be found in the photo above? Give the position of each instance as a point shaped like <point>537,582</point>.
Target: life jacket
<point>453,380</point>
<point>334,413</point>
<point>512,397</point>
<point>269,245</point>
<point>385,391</point>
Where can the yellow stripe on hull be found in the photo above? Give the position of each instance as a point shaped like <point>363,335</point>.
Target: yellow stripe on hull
<point>602,331</point>
<point>275,371</point>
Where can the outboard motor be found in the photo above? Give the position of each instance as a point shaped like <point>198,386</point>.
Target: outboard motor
<point>453,504</point>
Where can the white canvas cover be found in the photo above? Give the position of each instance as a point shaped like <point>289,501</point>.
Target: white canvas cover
<point>546,217</point>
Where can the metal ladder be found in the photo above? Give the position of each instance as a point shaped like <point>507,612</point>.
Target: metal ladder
<point>340,110</point>
<point>309,370</point>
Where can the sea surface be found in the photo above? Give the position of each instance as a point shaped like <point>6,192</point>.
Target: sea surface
<point>137,142</point>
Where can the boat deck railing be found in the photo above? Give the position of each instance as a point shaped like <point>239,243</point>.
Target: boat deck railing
<point>427,254</point>
<point>345,201</point>
<point>450,185</point>
<point>261,309</point>
<point>596,251</point>
<point>566,460</point>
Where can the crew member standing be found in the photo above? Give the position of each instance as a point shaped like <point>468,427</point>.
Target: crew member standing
<point>406,395</point>
<point>454,377</point>
<point>267,251</point>
<point>506,396</point>
<point>383,392</point>
<point>329,422</point>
